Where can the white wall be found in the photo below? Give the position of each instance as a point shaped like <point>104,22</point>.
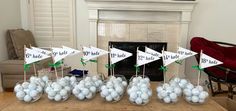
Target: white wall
<point>214,20</point>
<point>9,19</point>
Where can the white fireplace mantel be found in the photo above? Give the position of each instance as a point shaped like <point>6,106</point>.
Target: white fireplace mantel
<point>156,11</point>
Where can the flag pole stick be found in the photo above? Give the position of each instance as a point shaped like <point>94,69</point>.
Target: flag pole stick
<point>199,72</point>
<point>143,70</point>
<point>164,72</point>
<point>109,64</point>
<point>24,68</point>
<point>62,67</point>
<point>35,72</point>
<point>55,69</point>
<point>136,62</point>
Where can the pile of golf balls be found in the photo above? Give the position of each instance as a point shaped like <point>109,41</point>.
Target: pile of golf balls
<point>168,93</point>
<point>97,80</point>
<point>28,91</point>
<point>43,81</point>
<point>72,81</point>
<point>114,89</point>
<point>59,90</point>
<point>195,94</point>
<point>139,90</point>
<point>85,89</point>
<point>178,82</point>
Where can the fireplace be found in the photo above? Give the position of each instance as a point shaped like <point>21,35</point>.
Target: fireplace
<point>148,21</point>
<point>126,66</point>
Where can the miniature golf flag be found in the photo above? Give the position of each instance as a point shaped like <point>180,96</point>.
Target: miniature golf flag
<point>43,51</point>
<point>92,52</point>
<point>60,53</point>
<point>32,56</point>
<point>207,61</point>
<point>73,51</point>
<point>144,58</point>
<point>117,55</point>
<point>153,52</point>
<point>185,53</point>
<point>169,57</point>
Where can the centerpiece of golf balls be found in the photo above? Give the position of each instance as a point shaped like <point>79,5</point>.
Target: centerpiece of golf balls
<point>139,90</point>
<point>58,90</point>
<point>168,93</point>
<point>28,91</point>
<point>195,94</point>
<point>114,88</point>
<point>85,89</point>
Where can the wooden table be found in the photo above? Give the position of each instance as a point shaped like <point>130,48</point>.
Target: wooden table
<point>8,102</point>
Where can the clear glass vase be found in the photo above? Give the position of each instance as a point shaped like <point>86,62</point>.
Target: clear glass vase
<point>58,90</point>
<point>28,92</point>
<point>114,88</point>
<point>196,95</point>
<point>139,90</point>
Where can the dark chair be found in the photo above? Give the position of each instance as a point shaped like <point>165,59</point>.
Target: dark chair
<point>221,74</point>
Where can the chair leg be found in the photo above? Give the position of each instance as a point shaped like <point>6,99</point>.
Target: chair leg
<point>212,90</point>
<point>219,87</point>
<point>230,93</point>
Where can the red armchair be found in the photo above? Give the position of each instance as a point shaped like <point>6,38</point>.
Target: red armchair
<point>222,74</point>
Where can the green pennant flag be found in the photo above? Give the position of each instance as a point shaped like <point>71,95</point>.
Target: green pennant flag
<point>112,66</point>
<point>163,68</point>
<point>57,64</point>
<point>197,68</point>
<point>137,68</point>
<point>26,67</point>
<point>179,62</point>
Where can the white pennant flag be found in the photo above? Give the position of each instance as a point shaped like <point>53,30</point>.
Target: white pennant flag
<point>32,56</point>
<point>73,51</point>
<point>117,55</point>
<point>144,58</point>
<point>92,52</point>
<point>169,57</point>
<point>207,61</point>
<point>185,53</point>
<point>153,52</point>
<point>59,53</point>
<point>43,51</point>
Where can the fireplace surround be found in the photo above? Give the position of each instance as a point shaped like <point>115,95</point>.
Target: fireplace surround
<point>139,21</point>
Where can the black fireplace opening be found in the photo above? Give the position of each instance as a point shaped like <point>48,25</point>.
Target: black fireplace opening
<point>126,66</point>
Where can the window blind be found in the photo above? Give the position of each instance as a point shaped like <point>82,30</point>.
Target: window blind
<point>53,22</point>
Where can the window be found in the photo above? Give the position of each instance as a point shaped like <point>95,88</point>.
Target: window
<point>52,22</point>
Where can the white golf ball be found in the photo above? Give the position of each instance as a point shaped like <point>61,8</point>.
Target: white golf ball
<point>63,92</point>
<point>144,96</point>
<point>138,101</point>
<point>89,96</point>
<point>92,89</point>
<point>114,94</point>
<point>32,86</point>
<point>195,92</point>
<point>173,96</point>
<point>25,85</point>
<point>20,95</point>
<point>108,98</point>
<point>58,97</point>
<point>52,93</point>
<point>81,96</point>
<point>18,87</point>
<point>195,99</point>
<point>33,93</point>
<point>166,99</point>
<point>27,98</point>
